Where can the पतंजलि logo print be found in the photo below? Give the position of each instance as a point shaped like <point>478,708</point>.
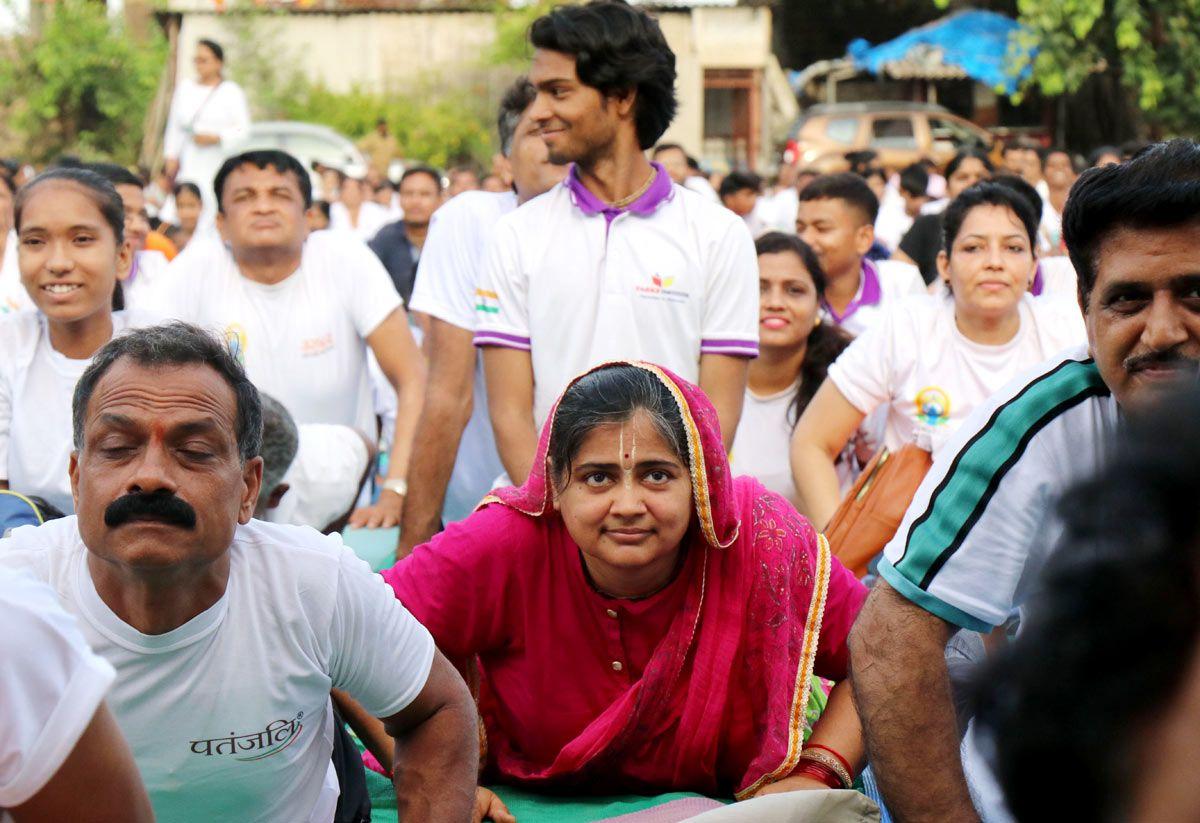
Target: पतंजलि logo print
<point>277,736</point>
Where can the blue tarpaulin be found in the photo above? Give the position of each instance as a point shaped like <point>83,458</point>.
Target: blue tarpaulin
<point>976,42</point>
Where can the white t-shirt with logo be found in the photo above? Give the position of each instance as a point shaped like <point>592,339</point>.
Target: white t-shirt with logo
<point>302,340</point>
<point>37,384</point>
<point>229,715</point>
<point>447,279</point>
<point>51,685</point>
<point>576,290</point>
<point>918,364</point>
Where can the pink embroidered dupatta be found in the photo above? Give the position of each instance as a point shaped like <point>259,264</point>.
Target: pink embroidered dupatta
<point>752,615</point>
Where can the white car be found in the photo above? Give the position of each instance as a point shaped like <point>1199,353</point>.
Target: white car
<point>308,142</point>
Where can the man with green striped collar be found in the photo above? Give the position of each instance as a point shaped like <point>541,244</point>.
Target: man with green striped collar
<point>984,520</point>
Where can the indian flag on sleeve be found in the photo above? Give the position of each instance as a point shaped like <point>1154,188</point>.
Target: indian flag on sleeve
<point>487,302</point>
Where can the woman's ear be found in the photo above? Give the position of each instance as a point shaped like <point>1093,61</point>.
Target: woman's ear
<point>943,267</point>
<point>553,485</point>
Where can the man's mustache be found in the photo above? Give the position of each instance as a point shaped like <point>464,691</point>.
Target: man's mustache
<point>162,506</point>
<point>1170,358</point>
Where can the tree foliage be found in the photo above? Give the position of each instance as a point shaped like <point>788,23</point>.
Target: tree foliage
<point>1151,47</point>
<point>80,85</point>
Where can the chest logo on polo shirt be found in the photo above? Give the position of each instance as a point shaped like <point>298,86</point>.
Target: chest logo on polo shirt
<point>277,736</point>
<point>235,340</point>
<point>933,406</point>
<point>312,346</point>
<point>658,287</point>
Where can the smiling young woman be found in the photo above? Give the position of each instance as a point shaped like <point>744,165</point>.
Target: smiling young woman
<point>932,359</point>
<point>795,351</point>
<point>71,253</point>
<point>605,599</point>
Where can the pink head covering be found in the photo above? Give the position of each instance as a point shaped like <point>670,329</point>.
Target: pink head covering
<point>756,599</point>
<point>712,483</point>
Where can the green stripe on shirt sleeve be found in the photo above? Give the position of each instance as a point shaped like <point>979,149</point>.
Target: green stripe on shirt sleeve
<point>968,487</point>
<point>909,590</point>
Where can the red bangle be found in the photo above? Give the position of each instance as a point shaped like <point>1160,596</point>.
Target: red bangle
<point>841,759</point>
<point>820,772</point>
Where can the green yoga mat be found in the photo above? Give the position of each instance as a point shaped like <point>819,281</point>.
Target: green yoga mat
<point>529,807</point>
<point>376,546</point>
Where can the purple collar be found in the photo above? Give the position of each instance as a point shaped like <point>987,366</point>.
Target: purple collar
<point>870,294</point>
<point>660,191</point>
<point>1039,282</point>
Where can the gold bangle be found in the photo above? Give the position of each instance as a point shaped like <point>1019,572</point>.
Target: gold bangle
<point>826,759</point>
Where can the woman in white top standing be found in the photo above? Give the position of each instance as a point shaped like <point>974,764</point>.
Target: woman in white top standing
<point>932,359</point>
<point>70,226</point>
<point>208,115</point>
<point>794,353</point>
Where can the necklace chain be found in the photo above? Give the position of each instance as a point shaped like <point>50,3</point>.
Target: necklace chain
<point>625,201</point>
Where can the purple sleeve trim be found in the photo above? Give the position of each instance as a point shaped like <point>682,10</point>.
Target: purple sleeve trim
<point>734,348</point>
<point>507,341</point>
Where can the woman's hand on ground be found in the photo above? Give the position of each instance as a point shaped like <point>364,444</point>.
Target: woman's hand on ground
<point>795,783</point>
<point>488,806</point>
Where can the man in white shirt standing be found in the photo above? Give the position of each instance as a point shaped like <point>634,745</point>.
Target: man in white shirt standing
<point>454,460</point>
<point>617,261</point>
<point>984,520</point>
<point>302,310</point>
<point>228,634</point>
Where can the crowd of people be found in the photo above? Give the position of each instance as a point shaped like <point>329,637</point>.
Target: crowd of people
<point>612,405</point>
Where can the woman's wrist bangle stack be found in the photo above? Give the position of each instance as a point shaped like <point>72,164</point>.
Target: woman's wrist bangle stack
<point>819,772</point>
<point>827,757</point>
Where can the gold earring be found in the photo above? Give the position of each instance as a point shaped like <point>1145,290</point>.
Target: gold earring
<point>818,321</point>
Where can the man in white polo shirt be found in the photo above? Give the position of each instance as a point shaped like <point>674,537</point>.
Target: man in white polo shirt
<point>227,634</point>
<point>454,460</point>
<point>984,520</point>
<point>617,261</point>
<point>836,218</point>
<point>301,311</point>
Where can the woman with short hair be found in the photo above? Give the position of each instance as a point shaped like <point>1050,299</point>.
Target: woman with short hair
<point>932,359</point>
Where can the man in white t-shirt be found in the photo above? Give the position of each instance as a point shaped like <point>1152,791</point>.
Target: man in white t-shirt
<point>62,756</point>
<point>617,262</point>
<point>454,460</point>
<point>227,634</point>
<point>837,219</point>
<point>983,521</point>
<point>301,311</point>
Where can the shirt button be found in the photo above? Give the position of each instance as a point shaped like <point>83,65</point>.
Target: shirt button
<point>611,613</point>
<point>617,666</point>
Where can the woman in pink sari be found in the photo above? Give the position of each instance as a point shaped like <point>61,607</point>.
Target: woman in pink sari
<point>641,621</point>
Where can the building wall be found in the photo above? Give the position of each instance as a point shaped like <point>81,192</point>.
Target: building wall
<point>385,50</point>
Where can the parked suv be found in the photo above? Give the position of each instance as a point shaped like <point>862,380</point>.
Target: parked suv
<point>901,133</point>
